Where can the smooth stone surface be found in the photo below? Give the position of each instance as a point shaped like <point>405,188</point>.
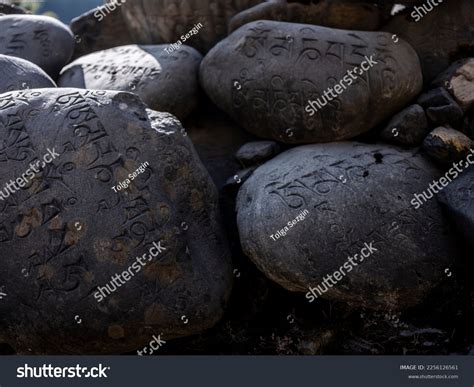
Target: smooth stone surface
<point>42,40</point>
<point>354,194</point>
<point>165,82</point>
<point>343,14</point>
<point>18,74</point>
<point>447,145</point>
<point>459,199</point>
<point>69,232</point>
<point>409,127</point>
<point>257,151</point>
<point>247,76</point>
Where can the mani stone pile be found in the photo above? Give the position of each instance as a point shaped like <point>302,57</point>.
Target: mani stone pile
<point>244,161</point>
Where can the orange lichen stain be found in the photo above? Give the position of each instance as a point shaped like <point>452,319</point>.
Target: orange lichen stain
<point>46,272</point>
<point>89,277</point>
<point>196,199</point>
<point>73,235</point>
<point>56,223</point>
<point>30,221</point>
<point>115,332</point>
<point>154,314</point>
<point>116,252</point>
<point>166,274</point>
<point>85,155</point>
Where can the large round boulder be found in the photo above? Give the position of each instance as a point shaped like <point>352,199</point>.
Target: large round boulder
<point>304,215</point>
<point>42,40</point>
<point>165,81</point>
<point>112,235</point>
<point>271,76</point>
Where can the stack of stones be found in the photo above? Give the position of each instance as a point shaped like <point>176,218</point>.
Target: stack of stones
<point>255,187</point>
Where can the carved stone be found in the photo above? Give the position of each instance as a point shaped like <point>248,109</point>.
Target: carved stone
<point>18,74</point>
<point>42,40</point>
<point>166,82</point>
<point>354,194</point>
<point>265,73</point>
<point>66,233</point>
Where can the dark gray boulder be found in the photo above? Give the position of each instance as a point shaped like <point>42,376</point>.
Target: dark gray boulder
<point>165,81</point>
<point>11,9</point>
<point>255,152</point>
<point>42,40</point>
<point>441,108</point>
<point>458,197</point>
<point>409,127</point>
<point>70,233</point>
<point>18,74</point>
<point>433,37</point>
<point>265,74</point>
<point>302,215</point>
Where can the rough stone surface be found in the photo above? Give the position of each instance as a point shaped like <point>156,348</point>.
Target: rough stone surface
<point>409,127</point>
<point>447,145</point>
<point>42,40</point>
<point>69,232</point>
<point>165,82</point>
<point>459,80</point>
<point>354,195</point>
<point>441,36</point>
<point>257,151</point>
<point>441,108</point>
<point>18,74</point>
<point>247,76</point>
<point>459,199</point>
